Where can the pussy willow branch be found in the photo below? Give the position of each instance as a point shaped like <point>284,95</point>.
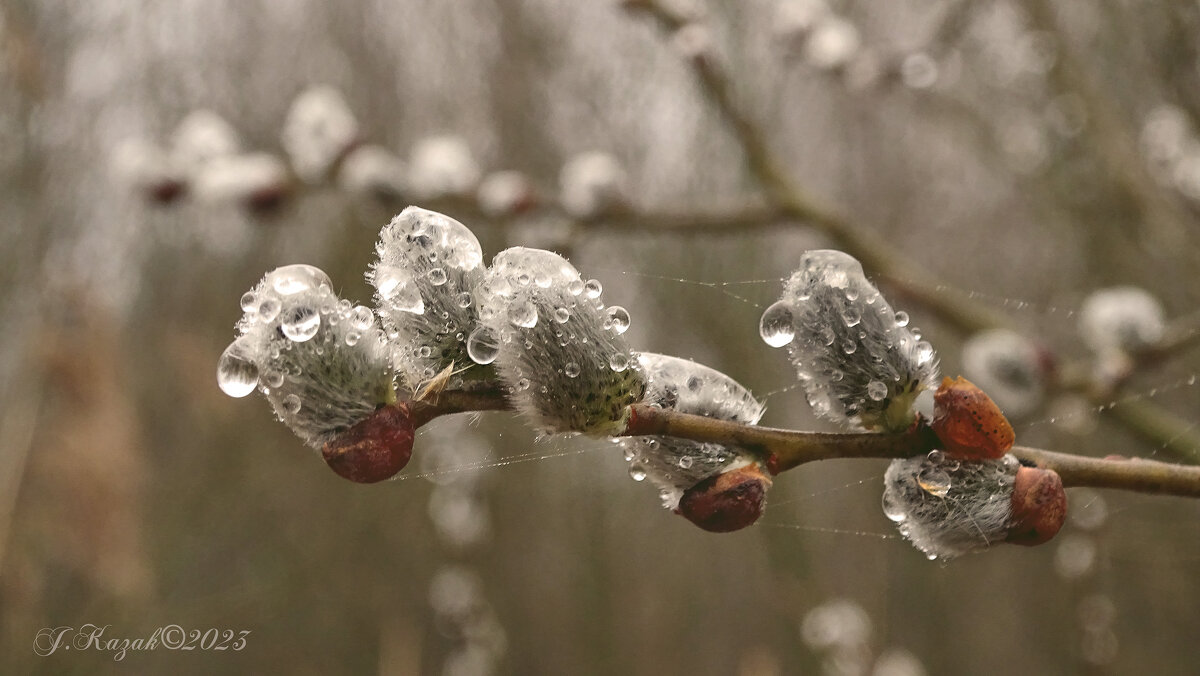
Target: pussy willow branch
<point>1145,419</point>
<point>793,201</point>
<point>786,449</point>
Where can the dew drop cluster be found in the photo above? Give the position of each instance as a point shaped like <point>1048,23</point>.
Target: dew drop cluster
<point>857,358</point>
<point>674,465</point>
<point>948,507</point>
<point>320,361</point>
<point>426,270</point>
<point>554,342</point>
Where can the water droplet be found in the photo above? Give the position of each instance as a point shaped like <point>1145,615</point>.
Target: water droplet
<point>685,462</point>
<point>619,318</point>
<point>437,276</point>
<point>637,473</point>
<point>893,509</point>
<point>302,325</point>
<point>668,498</point>
<point>826,336</point>
<point>523,314</point>
<point>924,353</point>
<point>268,310</point>
<point>273,378</point>
<point>482,346</point>
<point>248,302</point>
<point>523,384</point>
<point>934,481</point>
<point>776,326</point>
<point>592,288</point>
<point>398,291</point>
<point>571,369</point>
<point>618,362</point>
<point>852,293</point>
<point>424,351</point>
<point>237,374</point>
<point>876,390</point>
<point>851,316</point>
<point>575,287</point>
<point>902,318</point>
<point>463,300</point>
<point>291,404</point>
<point>352,338</point>
<point>561,315</point>
<point>293,279</point>
<point>361,318</point>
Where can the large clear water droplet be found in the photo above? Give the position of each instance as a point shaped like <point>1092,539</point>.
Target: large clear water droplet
<point>902,318</point>
<point>482,346</point>
<point>523,314</point>
<point>619,319</point>
<point>877,390</point>
<point>561,315</point>
<point>618,362</point>
<point>934,481</point>
<point>237,374</point>
<point>397,289</point>
<point>637,473</point>
<point>361,318</point>
<point>924,353</point>
<point>268,309</point>
<point>592,288</point>
<point>893,509</point>
<point>249,301</point>
<point>437,276</point>
<point>302,325</point>
<point>293,279</point>
<point>571,369</point>
<point>776,326</point>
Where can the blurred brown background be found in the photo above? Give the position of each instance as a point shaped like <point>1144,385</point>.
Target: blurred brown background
<point>1026,154</point>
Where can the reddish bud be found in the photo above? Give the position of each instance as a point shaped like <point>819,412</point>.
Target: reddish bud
<point>267,199</point>
<point>970,425</point>
<point>1039,506</point>
<point>375,448</point>
<point>165,191</point>
<point>728,501</point>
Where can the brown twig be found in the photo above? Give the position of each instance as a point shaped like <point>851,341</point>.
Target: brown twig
<point>784,449</point>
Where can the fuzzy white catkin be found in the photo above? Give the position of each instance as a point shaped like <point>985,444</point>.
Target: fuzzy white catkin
<point>1007,366</point>
<point>949,507</point>
<point>319,360</point>
<point>426,271</point>
<point>442,166</point>
<point>592,184</point>
<point>1121,319</point>
<point>200,138</point>
<point>238,178</point>
<point>318,131</point>
<point>558,348</point>
<point>858,361</point>
<point>375,171</point>
<point>675,465</point>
